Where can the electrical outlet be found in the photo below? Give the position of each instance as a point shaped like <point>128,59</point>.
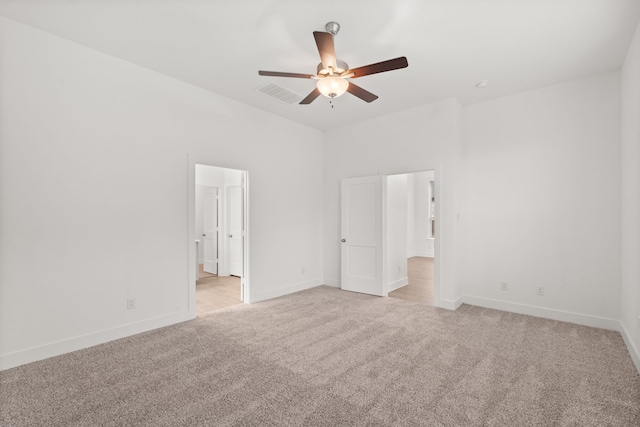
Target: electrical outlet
<point>399,269</point>
<point>131,303</point>
<point>504,286</point>
<point>540,290</point>
<point>302,271</point>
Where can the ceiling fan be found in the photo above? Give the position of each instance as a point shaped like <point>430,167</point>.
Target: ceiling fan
<point>332,73</point>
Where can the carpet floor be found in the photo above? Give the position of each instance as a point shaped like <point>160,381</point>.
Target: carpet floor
<point>324,357</point>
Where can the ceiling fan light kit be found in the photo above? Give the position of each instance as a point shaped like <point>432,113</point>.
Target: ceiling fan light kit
<point>332,87</point>
<point>332,73</point>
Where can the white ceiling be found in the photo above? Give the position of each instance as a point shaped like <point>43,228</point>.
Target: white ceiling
<point>220,45</point>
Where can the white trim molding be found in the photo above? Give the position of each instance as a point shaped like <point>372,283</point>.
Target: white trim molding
<point>333,282</point>
<point>397,284</point>
<point>424,254</point>
<point>275,293</point>
<point>548,313</point>
<point>633,351</point>
<point>449,304</point>
<point>562,316</point>
<point>33,354</point>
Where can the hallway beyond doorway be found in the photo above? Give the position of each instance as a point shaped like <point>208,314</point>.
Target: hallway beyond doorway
<point>216,292</point>
<point>420,287</point>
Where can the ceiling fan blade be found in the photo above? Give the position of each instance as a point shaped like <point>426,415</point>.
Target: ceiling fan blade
<point>379,67</point>
<point>281,74</point>
<point>365,95</point>
<point>309,99</point>
<point>324,41</point>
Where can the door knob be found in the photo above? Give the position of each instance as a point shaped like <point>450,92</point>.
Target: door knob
<point>204,235</point>
<point>230,235</point>
<point>344,240</point>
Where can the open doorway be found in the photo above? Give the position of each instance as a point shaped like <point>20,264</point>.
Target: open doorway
<point>410,236</point>
<point>220,237</point>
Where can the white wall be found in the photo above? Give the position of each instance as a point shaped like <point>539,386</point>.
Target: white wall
<point>631,198</point>
<point>396,231</point>
<point>418,139</point>
<point>99,153</point>
<point>544,201</point>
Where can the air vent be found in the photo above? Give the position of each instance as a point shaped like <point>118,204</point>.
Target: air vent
<point>278,92</point>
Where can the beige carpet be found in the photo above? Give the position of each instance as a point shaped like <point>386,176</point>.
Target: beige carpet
<point>325,357</point>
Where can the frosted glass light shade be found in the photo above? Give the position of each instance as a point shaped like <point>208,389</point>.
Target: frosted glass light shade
<point>332,87</point>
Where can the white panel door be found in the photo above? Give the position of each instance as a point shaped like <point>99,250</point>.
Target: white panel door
<point>235,231</point>
<point>362,263</point>
<point>210,230</point>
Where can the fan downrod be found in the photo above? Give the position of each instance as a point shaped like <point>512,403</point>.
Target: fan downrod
<point>332,27</point>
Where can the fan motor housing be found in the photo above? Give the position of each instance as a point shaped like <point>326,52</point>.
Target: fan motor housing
<point>342,67</point>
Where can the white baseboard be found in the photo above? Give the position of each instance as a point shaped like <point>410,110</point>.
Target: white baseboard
<point>397,284</point>
<point>33,354</point>
<point>633,350</point>
<point>425,254</point>
<point>275,293</point>
<point>332,282</point>
<point>449,304</point>
<point>563,316</point>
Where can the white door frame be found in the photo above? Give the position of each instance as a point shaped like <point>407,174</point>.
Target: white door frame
<point>244,284</point>
<point>192,256</point>
<point>436,254</point>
